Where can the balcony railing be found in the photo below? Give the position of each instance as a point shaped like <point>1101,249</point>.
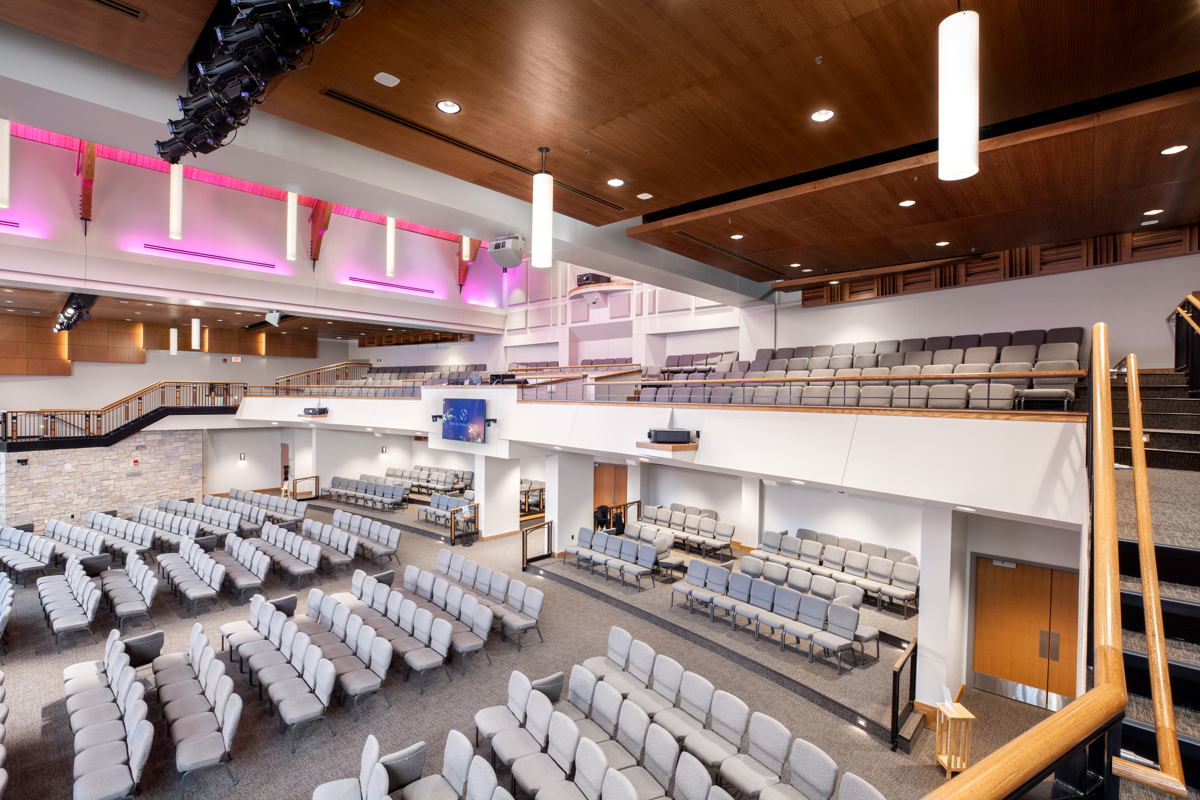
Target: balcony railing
<point>327,375</point>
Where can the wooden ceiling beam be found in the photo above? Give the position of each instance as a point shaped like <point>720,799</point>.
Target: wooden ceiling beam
<point>322,212</point>
<point>85,168</point>
<point>794,284</point>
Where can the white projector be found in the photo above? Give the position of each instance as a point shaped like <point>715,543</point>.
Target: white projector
<point>507,252</point>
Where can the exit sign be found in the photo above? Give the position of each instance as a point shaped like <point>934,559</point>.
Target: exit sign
<point>236,359</point>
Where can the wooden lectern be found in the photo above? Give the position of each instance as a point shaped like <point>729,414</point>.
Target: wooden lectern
<point>953,747</point>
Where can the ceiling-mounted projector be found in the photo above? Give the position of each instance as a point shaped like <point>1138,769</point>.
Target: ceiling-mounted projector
<point>273,318</point>
<point>507,252</point>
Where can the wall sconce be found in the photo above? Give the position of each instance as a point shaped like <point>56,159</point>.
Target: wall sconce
<point>241,456</point>
<point>383,449</point>
<point>437,417</point>
<point>488,422</point>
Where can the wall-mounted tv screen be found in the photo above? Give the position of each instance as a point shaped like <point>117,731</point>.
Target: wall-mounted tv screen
<point>463,420</point>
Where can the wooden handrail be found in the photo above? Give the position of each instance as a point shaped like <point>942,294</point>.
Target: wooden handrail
<point>1073,373</point>
<point>1191,298</point>
<point>904,656</point>
<point>319,369</point>
<point>1010,767</point>
<point>1169,775</point>
<point>1179,310</point>
<point>128,398</point>
<point>625,365</point>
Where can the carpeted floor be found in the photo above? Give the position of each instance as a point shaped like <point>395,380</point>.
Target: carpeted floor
<point>39,742</point>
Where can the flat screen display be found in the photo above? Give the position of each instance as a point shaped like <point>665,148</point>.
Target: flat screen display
<point>463,419</point>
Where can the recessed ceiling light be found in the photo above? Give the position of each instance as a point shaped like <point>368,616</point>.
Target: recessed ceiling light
<point>737,236</point>
<point>220,320</point>
<point>644,196</point>
<point>328,323</point>
<point>823,115</point>
<point>448,107</point>
<point>615,182</point>
<point>390,329</point>
<point>10,310</point>
<point>150,304</point>
<point>127,319</point>
<point>304,328</point>
<point>10,302</point>
<point>10,291</point>
<point>907,203</point>
<point>793,265</point>
<point>1173,149</point>
<point>940,244</point>
<point>1150,222</point>
<point>123,301</point>
<point>834,283</point>
<point>387,79</point>
<point>807,269</point>
<point>238,313</point>
<point>967,509</point>
<point>138,313</point>
<point>1154,212</point>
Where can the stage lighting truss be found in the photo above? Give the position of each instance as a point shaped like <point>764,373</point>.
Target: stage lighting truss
<point>267,39</point>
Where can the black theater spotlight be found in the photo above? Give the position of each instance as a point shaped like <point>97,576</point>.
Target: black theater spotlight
<point>76,309</point>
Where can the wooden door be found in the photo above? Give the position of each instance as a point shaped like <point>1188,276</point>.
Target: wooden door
<point>1026,624</point>
<point>609,484</point>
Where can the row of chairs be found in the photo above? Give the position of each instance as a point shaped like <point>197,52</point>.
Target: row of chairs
<point>981,358</point>
<point>199,705</point>
<point>381,776</point>
<point>435,478</point>
<point>291,553</point>
<point>107,714</point>
<point>23,553</point>
<point>832,625</point>
<point>442,506</point>
<point>73,540</point>
<point>624,553</point>
<point>69,601</point>
<point>599,362</point>
<point>516,607</point>
<point>252,517</point>
<point>245,566</point>
<point>278,509</point>
<point>7,593</point>
<point>985,396</point>
<point>519,364</point>
<point>376,495</point>
<point>898,581</point>
<point>130,590</point>
<point>120,535</point>
<point>649,534</point>
<point>688,363</point>
<point>213,519</point>
<point>337,546</point>
<point>192,574</point>
<point>696,510</point>
<point>428,370</point>
<point>781,543</point>
<point>376,539</point>
<point>387,609</point>
<point>802,581</point>
<point>168,528</point>
<point>999,340</point>
<point>703,534</point>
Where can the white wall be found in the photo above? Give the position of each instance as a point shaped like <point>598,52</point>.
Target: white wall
<point>348,454</point>
<point>694,487</point>
<point>661,345</point>
<point>543,351</point>
<point>886,521</point>
<point>604,348</point>
<point>1134,299</point>
<point>95,384</point>
<point>486,349</point>
<point>223,470</point>
<point>427,456</point>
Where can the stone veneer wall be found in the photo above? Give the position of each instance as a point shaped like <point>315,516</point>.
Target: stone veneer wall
<point>59,483</point>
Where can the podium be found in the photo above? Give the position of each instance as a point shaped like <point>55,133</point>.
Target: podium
<point>953,743</point>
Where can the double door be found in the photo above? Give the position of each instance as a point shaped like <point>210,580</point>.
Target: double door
<point>1026,625</point>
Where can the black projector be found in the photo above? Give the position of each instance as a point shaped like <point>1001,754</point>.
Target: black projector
<point>591,279</point>
<point>669,435</point>
<point>315,412</point>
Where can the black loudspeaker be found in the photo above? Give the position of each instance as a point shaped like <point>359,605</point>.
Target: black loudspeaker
<point>315,412</point>
<point>669,435</point>
<point>589,278</point>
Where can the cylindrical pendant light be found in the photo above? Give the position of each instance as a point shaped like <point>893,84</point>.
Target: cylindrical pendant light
<point>293,202</point>
<point>466,249</point>
<point>195,333</point>
<point>390,258</point>
<point>173,337</point>
<point>958,96</point>
<point>5,162</point>
<point>175,203</point>
<point>541,234</point>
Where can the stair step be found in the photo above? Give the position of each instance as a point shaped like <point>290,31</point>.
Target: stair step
<point>1159,439</point>
<point>1177,650</point>
<point>1168,405</point>
<point>1162,378</point>
<point>1187,721</point>
<point>1174,496</point>
<point>1175,591</point>
<point>1161,422</point>
<point>1181,618</point>
<point>1163,459</point>
<point>1147,392</point>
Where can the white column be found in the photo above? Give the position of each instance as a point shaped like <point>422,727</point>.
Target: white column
<point>750,514</point>
<point>633,484</point>
<point>569,501</point>
<point>497,490</point>
<point>941,625</point>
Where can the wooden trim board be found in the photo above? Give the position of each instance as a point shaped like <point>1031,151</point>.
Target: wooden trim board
<point>671,447</point>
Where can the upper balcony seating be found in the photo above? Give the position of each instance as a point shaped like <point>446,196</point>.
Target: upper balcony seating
<point>214,521</point>
<point>252,516</point>
<point>408,377</point>
<point>280,510</point>
<point>376,539</point>
<point>589,362</point>
<point>377,495</point>
<point>519,364</point>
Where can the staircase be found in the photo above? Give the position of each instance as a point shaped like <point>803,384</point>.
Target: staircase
<point>1172,423</point>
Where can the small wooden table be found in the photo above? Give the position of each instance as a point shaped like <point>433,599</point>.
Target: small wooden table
<point>953,745</point>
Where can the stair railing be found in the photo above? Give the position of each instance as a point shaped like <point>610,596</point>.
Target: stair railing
<point>1169,775</point>
<point>327,375</point>
<point>900,710</point>
<point>1187,340</point>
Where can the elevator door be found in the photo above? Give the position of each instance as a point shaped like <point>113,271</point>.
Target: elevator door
<point>1025,631</point>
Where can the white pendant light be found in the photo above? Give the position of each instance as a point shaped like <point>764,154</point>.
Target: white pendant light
<point>293,203</point>
<point>466,248</point>
<point>173,336</point>
<point>175,203</point>
<point>958,96</point>
<point>5,162</point>
<point>390,257</point>
<point>195,333</point>
<point>541,250</point>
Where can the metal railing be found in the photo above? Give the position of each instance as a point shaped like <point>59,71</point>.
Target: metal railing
<point>329,374</point>
<point>533,500</point>
<point>907,658</point>
<point>544,548</point>
<point>622,508</point>
<point>525,371</point>
<point>78,423</point>
<point>1187,340</point>
<point>309,486</point>
<point>408,390</point>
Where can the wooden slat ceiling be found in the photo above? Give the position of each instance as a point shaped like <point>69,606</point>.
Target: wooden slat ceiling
<point>153,35</point>
<point>21,301</point>
<point>1086,177</point>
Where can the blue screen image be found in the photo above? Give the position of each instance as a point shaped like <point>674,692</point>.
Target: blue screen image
<point>464,420</point>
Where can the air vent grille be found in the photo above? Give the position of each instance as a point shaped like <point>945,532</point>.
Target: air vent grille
<point>133,12</point>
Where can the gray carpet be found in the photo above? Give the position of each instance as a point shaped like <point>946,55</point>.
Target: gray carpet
<point>1172,503</point>
<point>1178,591</point>
<point>1176,648</point>
<point>39,741</point>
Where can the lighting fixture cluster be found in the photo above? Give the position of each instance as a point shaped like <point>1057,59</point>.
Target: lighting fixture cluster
<point>266,39</point>
<point>76,309</point>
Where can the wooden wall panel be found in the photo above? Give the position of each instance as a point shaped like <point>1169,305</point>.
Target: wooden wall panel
<point>289,345</point>
<point>29,347</point>
<point>106,340</point>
